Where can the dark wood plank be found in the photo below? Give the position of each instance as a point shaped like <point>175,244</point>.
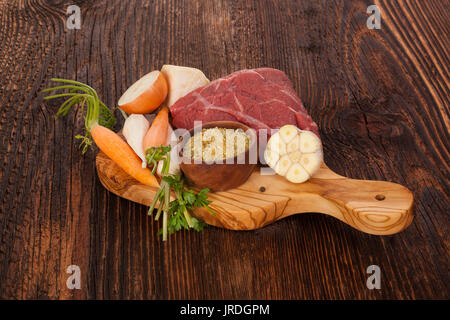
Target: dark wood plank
<point>380,98</point>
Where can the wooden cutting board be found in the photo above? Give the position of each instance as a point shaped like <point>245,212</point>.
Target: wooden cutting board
<point>374,207</point>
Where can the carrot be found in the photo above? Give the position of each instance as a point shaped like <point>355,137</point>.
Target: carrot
<point>157,134</point>
<point>122,154</point>
<point>107,140</point>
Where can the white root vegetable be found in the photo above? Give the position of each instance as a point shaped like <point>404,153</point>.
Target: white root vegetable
<point>181,81</point>
<point>174,166</point>
<point>134,130</point>
<point>293,153</point>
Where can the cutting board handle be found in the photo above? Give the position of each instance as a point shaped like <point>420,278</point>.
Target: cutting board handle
<point>374,207</point>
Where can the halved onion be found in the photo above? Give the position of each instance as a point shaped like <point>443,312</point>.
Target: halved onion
<point>145,95</point>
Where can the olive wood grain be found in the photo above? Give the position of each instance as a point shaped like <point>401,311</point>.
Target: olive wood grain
<point>374,207</point>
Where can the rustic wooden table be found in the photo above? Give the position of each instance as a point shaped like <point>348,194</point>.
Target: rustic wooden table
<point>380,98</point>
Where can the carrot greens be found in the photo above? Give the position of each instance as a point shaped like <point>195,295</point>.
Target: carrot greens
<point>97,113</point>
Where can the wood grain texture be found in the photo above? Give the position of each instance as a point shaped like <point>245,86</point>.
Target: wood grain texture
<point>380,98</point>
<point>374,207</point>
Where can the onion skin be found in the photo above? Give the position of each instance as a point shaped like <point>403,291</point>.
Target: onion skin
<point>150,99</point>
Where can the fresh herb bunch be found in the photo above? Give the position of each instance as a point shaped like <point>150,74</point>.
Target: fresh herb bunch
<point>85,95</point>
<point>156,154</point>
<point>186,200</point>
<point>175,213</point>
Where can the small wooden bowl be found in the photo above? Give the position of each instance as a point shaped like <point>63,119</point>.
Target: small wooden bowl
<point>220,177</point>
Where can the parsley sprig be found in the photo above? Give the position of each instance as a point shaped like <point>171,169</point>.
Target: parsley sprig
<point>156,154</point>
<point>176,213</point>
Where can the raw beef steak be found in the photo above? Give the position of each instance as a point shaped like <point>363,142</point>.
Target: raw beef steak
<point>260,98</point>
